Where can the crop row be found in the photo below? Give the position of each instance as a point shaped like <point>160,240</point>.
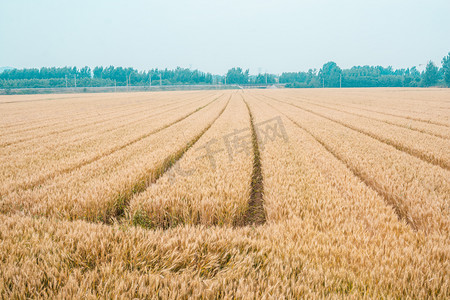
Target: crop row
<point>429,148</point>
<point>30,163</point>
<point>424,127</point>
<point>417,191</point>
<point>377,102</point>
<point>99,190</point>
<point>329,230</point>
<point>210,185</point>
<point>25,116</point>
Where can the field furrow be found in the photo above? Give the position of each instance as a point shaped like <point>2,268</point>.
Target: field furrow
<point>256,214</point>
<point>111,121</point>
<point>399,102</point>
<point>210,185</point>
<point>88,117</point>
<point>427,128</point>
<point>99,191</point>
<point>430,149</point>
<point>418,191</point>
<point>55,157</point>
<point>424,116</point>
<point>375,104</point>
<point>248,194</point>
<point>83,107</point>
<point>48,131</point>
<point>91,131</point>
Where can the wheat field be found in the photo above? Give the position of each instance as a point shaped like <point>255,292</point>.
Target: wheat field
<point>248,194</point>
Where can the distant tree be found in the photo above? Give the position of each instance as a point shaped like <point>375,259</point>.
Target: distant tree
<point>446,69</point>
<point>330,74</point>
<point>265,78</point>
<point>301,79</point>
<point>430,77</point>
<point>357,76</point>
<point>84,72</point>
<point>237,76</point>
<point>98,72</point>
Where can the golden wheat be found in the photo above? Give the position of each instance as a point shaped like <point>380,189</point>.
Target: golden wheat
<point>221,161</point>
<point>97,190</point>
<point>429,148</point>
<point>391,102</point>
<point>42,108</point>
<point>336,105</point>
<point>348,211</point>
<point>28,164</point>
<point>417,190</point>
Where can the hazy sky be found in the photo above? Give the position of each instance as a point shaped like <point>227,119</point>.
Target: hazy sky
<point>213,36</point>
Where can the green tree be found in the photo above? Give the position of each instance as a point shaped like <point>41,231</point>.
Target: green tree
<point>430,77</point>
<point>237,76</point>
<point>265,78</point>
<point>85,72</point>
<point>330,74</point>
<point>446,69</point>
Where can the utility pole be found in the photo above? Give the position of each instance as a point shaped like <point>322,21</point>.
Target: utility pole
<point>75,80</point>
<point>115,86</point>
<point>160,80</point>
<point>340,81</point>
<point>225,79</point>
<point>266,78</point>
<point>66,80</point>
<point>323,82</point>
<point>150,79</point>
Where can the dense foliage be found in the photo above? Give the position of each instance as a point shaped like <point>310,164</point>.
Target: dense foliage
<point>100,76</point>
<point>446,69</point>
<point>363,76</point>
<point>330,75</point>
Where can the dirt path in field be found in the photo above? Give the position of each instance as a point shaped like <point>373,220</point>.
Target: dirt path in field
<point>165,166</point>
<point>389,198</point>
<point>255,214</point>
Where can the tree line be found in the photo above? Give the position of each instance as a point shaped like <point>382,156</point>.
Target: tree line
<point>330,75</point>
<point>100,77</point>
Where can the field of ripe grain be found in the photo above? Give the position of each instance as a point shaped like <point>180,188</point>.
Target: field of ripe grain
<point>226,194</point>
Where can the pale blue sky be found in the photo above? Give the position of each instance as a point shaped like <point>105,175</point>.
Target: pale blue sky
<point>273,36</point>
